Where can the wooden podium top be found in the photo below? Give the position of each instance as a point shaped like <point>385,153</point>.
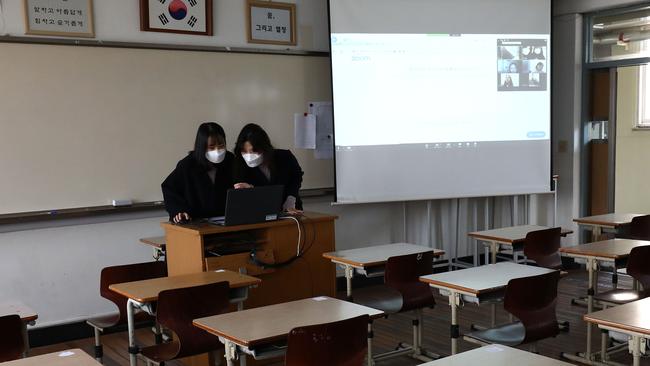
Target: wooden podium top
<point>205,228</point>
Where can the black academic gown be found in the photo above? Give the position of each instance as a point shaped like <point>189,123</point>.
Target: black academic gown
<point>285,171</point>
<point>189,188</point>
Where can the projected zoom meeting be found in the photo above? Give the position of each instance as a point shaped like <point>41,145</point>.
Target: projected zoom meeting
<point>522,64</point>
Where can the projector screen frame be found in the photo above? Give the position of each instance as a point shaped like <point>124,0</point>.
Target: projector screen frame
<point>551,104</point>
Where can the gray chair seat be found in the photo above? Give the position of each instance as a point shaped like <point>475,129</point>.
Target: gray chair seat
<point>618,296</point>
<point>512,334</point>
<point>104,322</point>
<point>380,297</point>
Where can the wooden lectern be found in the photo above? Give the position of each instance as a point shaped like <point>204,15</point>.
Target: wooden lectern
<point>201,247</point>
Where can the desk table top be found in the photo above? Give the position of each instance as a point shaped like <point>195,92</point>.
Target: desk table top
<point>510,234</point>
<point>609,220</point>
<point>606,249</point>
<point>156,241</point>
<point>496,355</point>
<point>483,279</point>
<point>24,311</point>
<point>274,322</point>
<point>72,357</point>
<point>632,317</point>
<point>377,255</point>
<point>148,290</point>
<point>205,228</point>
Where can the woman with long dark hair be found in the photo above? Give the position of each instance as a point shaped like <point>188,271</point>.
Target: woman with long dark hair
<point>197,187</point>
<point>258,163</point>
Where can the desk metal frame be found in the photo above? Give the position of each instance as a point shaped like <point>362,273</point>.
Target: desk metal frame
<point>240,295</point>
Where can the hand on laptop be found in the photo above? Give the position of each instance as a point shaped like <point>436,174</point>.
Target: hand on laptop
<point>243,185</point>
<point>181,218</point>
<point>293,211</point>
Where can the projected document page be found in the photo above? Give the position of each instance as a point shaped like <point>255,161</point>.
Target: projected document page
<point>393,89</point>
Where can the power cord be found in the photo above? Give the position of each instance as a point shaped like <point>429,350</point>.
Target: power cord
<point>299,231</point>
<point>299,253</point>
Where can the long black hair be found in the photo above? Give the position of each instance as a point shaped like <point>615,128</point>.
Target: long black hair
<point>203,134</point>
<point>256,136</point>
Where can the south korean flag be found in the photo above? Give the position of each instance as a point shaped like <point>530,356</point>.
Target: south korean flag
<point>178,15</point>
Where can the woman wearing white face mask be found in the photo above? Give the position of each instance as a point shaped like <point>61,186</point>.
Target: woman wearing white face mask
<point>258,163</point>
<point>197,187</point>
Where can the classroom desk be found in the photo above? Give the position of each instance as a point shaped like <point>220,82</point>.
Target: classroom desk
<point>27,315</point>
<point>613,251</point>
<point>608,221</point>
<point>141,294</point>
<point>72,357</point>
<point>284,279</point>
<point>496,355</point>
<point>370,261</point>
<point>157,243</point>
<point>509,236</point>
<point>250,330</point>
<point>632,319</point>
<point>477,284</point>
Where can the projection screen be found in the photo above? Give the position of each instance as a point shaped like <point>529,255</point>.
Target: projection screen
<point>440,98</point>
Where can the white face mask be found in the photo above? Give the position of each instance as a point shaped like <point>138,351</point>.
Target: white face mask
<point>253,160</point>
<point>215,156</point>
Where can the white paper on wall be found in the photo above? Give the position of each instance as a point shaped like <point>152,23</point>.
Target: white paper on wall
<point>304,132</point>
<point>324,129</point>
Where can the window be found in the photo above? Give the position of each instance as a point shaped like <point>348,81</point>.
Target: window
<point>644,97</point>
<point>620,34</point>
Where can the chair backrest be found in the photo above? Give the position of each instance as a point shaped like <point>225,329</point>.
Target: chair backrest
<point>179,307</point>
<point>640,227</point>
<point>638,266</point>
<point>12,344</point>
<point>402,273</point>
<point>128,273</point>
<point>342,343</point>
<point>543,247</point>
<point>407,269</point>
<point>533,301</point>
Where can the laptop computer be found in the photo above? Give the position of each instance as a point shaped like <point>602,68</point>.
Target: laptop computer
<point>251,206</point>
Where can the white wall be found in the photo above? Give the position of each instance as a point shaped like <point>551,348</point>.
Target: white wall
<point>104,113</point>
<point>55,271</point>
<point>119,20</point>
<point>632,147</point>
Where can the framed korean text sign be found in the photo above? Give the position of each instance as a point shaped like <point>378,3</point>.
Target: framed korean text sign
<point>271,22</point>
<point>69,18</point>
<point>176,16</point>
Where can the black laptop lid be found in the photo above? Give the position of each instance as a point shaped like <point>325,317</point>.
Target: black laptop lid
<point>253,205</point>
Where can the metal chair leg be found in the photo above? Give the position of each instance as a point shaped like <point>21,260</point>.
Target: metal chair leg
<point>99,349</point>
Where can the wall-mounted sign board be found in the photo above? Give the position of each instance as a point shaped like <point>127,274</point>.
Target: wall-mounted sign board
<point>69,18</point>
<point>271,23</point>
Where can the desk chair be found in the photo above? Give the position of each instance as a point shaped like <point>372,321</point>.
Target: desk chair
<point>402,292</point>
<point>638,268</point>
<point>342,343</point>
<point>640,228</point>
<point>12,343</point>
<point>121,274</point>
<point>543,246</point>
<point>533,301</point>
<point>176,310</point>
